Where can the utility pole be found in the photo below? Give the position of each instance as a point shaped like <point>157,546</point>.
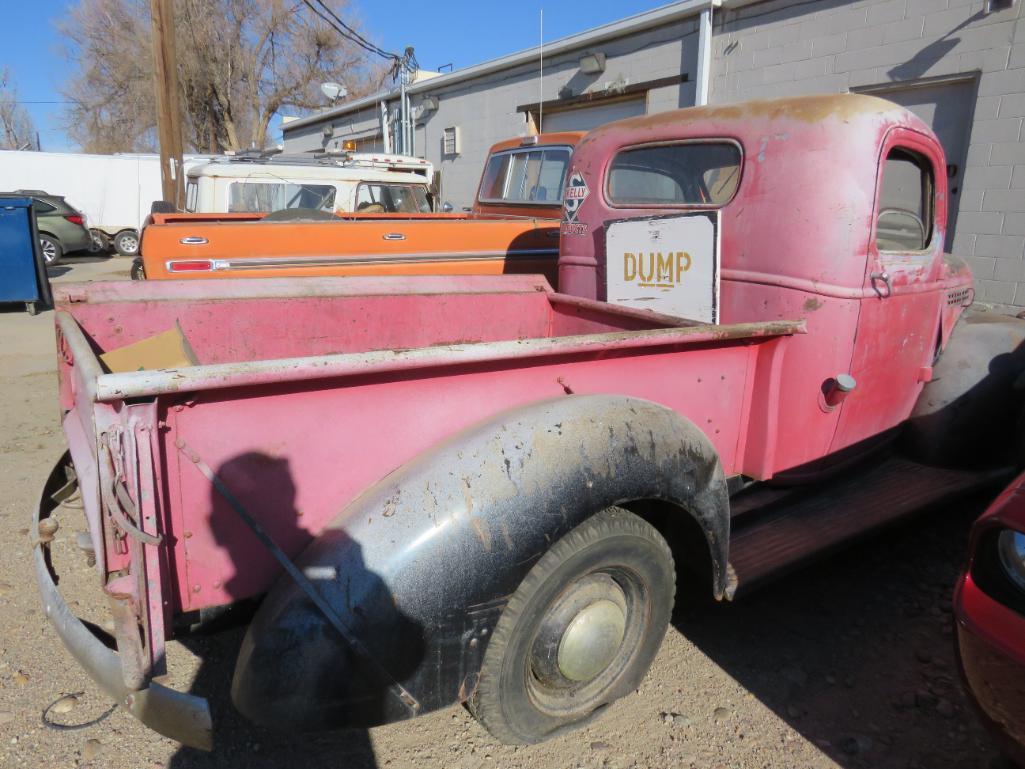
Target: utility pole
<point>169,117</point>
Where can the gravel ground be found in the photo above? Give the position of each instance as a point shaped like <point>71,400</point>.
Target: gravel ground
<point>848,663</point>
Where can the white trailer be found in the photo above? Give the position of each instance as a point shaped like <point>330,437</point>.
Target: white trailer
<point>115,192</point>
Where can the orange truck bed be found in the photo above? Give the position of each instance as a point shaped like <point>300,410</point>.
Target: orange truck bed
<point>365,246</point>
<point>513,228</point>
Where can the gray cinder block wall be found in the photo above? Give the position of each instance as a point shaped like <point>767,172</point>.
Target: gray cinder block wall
<point>781,47</point>
<point>486,108</point>
<point>778,48</point>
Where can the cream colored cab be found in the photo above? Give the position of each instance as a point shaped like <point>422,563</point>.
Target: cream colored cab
<point>363,182</point>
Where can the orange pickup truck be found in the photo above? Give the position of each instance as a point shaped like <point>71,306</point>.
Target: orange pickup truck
<point>513,227</point>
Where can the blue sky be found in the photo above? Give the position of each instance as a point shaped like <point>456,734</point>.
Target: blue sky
<point>460,32</point>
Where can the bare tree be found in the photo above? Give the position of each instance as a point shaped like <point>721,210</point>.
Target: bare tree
<point>16,128</point>
<point>239,61</point>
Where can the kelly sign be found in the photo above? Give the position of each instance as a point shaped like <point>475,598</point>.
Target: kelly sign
<point>669,264</point>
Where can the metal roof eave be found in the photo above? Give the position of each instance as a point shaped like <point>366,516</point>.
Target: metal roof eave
<point>636,23</point>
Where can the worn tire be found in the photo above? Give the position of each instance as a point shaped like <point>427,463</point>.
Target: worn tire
<point>126,243</point>
<point>99,241</point>
<point>519,705</point>
<point>138,271</point>
<point>51,248</point>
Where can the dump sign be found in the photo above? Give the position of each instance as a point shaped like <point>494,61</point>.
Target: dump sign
<point>669,264</point>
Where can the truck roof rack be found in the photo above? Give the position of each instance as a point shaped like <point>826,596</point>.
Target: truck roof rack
<point>385,162</point>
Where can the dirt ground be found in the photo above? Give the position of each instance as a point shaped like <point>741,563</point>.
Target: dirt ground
<point>848,663</point>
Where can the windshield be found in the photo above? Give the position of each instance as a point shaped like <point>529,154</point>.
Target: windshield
<point>525,176</point>
<point>677,174</point>
<point>253,196</point>
<point>392,199</point>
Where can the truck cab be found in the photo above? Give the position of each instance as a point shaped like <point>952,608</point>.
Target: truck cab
<point>830,209</point>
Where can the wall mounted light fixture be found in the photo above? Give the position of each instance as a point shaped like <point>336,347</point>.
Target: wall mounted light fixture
<point>592,64</point>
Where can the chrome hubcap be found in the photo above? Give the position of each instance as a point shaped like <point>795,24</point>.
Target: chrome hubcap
<point>49,250</point>
<point>581,634</point>
<point>591,641</point>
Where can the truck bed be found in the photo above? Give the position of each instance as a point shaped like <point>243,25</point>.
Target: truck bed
<point>307,393</point>
<point>243,246</point>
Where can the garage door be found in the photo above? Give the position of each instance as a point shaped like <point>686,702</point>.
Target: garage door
<point>947,109</point>
<point>591,116</point>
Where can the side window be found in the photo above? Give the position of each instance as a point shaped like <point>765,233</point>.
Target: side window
<point>273,196</point>
<point>904,218</point>
<point>392,199</point>
<point>42,207</point>
<point>191,194</point>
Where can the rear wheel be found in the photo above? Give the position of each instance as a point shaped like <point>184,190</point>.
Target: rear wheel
<point>138,271</point>
<point>126,243</point>
<point>51,248</point>
<point>99,241</point>
<point>580,631</point>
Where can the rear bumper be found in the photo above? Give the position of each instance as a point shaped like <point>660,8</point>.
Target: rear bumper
<point>182,717</point>
<point>76,240</point>
<point>993,670</point>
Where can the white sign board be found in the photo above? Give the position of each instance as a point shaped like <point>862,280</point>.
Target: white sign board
<point>669,264</point>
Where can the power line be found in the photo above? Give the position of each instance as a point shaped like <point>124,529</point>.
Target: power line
<point>355,35</point>
<point>343,29</point>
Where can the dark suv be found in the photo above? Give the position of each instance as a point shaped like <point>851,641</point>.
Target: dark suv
<point>62,228</point>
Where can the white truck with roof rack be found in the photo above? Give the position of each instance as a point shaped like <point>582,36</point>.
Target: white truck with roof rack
<point>325,182</point>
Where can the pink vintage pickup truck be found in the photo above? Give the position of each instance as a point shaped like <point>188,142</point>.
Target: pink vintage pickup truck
<point>474,489</point>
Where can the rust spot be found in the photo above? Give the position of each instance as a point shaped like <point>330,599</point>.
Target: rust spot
<point>482,530</point>
<point>809,109</point>
<point>505,535</point>
<point>812,304</point>
<point>468,686</point>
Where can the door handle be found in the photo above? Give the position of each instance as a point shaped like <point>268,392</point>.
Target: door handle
<point>883,276</point>
<point>193,240</point>
<point>393,236</point>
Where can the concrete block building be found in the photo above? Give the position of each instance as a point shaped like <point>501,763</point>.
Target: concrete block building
<point>958,64</point>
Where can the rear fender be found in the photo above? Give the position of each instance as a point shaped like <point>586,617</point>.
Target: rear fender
<point>421,565</point>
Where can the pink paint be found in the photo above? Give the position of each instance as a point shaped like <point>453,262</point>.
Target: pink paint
<point>299,387</point>
<point>799,241</point>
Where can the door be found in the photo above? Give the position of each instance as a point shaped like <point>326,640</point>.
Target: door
<point>592,116</point>
<point>947,108</point>
<point>898,320</point>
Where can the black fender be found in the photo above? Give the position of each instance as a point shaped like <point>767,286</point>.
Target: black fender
<point>967,415</point>
<point>420,566</point>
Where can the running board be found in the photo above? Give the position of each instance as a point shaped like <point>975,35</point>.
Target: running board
<point>811,521</point>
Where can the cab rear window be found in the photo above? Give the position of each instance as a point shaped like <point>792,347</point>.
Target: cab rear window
<point>274,196</point>
<point>525,176</point>
<point>691,174</point>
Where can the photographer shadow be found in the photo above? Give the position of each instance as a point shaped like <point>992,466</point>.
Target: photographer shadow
<point>265,487</point>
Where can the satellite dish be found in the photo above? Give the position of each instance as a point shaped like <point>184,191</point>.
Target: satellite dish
<point>334,91</point>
